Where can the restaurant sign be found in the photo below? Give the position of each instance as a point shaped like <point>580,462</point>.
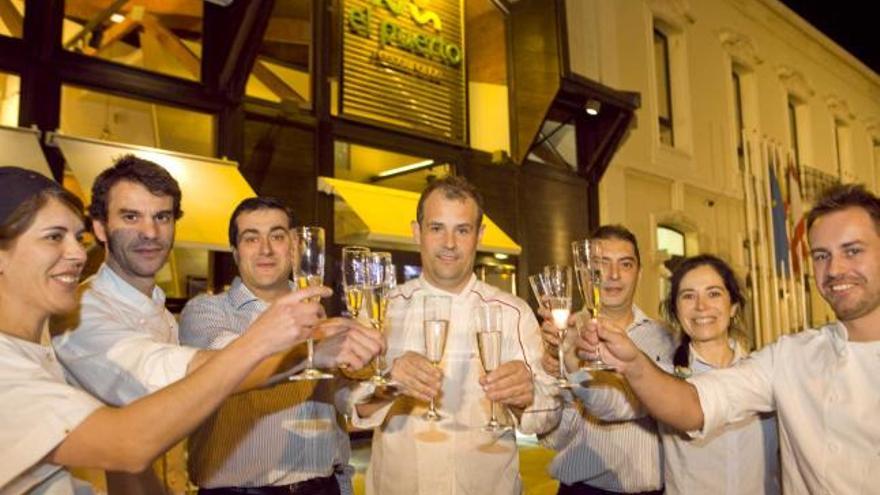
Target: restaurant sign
<point>403,65</point>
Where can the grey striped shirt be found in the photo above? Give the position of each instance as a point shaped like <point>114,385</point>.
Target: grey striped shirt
<point>619,456</point>
<point>277,436</point>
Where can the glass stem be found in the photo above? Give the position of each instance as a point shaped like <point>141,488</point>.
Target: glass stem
<point>310,362</point>
<point>561,352</point>
<point>494,420</point>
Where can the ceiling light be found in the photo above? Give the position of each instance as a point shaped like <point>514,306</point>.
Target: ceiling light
<point>391,172</point>
<point>592,106</point>
<point>117,18</point>
<point>500,256</point>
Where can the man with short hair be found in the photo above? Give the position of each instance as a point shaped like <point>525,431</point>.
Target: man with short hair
<point>124,343</point>
<point>596,456</point>
<point>410,454</point>
<point>823,384</point>
<point>289,437</point>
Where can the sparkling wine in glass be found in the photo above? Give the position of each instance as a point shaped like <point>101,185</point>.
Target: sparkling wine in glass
<point>436,327</point>
<point>557,284</point>
<point>587,255</point>
<point>489,341</point>
<point>381,278</point>
<point>310,273</point>
<point>354,277</point>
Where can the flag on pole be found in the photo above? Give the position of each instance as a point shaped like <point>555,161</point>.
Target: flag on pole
<point>780,236</point>
<point>798,218</point>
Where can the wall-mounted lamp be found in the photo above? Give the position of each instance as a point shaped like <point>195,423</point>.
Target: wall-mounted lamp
<point>412,167</point>
<point>592,106</point>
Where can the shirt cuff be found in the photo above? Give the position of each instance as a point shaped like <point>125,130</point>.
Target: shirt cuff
<point>710,402</point>
<point>361,394</point>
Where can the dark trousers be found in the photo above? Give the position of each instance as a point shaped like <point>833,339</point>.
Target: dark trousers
<point>315,486</point>
<point>585,489</point>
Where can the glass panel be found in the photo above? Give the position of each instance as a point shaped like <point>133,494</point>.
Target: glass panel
<point>489,122</point>
<point>385,168</point>
<point>283,70</point>
<point>11,18</point>
<point>793,130</point>
<point>738,113</point>
<point>92,114</point>
<point>164,37</point>
<point>9,97</point>
<point>670,240</point>
<point>664,91</point>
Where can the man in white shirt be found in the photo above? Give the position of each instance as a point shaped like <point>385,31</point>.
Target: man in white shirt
<point>414,456</point>
<point>596,456</point>
<point>124,343</point>
<point>289,437</point>
<point>823,384</point>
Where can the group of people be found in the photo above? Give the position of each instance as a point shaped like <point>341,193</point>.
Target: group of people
<point>686,408</point>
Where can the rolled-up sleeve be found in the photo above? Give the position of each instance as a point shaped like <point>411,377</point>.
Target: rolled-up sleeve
<point>732,394</point>
<point>545,411</point>
<point>117,363</point>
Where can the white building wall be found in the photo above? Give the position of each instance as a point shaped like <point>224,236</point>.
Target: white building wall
<point>697,185</point>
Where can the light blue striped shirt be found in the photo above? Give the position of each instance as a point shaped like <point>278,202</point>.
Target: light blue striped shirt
<point>619,456</point>
<point>277,436</point>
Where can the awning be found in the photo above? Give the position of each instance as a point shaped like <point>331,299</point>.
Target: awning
<point>21,148</point>
<point>211,188</point>
<point>381,217</point>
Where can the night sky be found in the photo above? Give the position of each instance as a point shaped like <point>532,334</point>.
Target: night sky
<point>849,23</point>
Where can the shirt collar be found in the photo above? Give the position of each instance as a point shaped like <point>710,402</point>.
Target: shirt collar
<point>839,337</point>
<point>239,294</point>
<point>109,281</point>
<point>639,317</point>
<point>738,353</point>
<point>464,291</point>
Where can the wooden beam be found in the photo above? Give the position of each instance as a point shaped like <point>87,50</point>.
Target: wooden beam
<point>154,28</point>
<point>96,21</point>
<point>275,84</point>
<point>113,34</point>
<point>232,38</point>
<point>11,18</point>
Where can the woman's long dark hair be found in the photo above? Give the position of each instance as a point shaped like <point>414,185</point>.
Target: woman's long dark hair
<point>669,307</point>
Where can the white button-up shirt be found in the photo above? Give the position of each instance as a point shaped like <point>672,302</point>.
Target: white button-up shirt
<point>276,436</point>
<point>741,458</point>
<point>37,412</point>
<point>412,456</point>
<point>826,393</point>
<point>600,445</point>
<point>121,345</point>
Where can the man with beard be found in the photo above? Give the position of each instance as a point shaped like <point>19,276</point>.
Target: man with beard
<point>124,343</point>
<point>824,384</point>
<point>595,456</point>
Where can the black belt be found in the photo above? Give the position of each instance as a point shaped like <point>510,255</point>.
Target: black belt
<point>315,486</point>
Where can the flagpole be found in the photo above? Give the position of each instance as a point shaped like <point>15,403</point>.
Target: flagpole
<point>765,264</point>
<point>750,234</point>
<point>771,248</point>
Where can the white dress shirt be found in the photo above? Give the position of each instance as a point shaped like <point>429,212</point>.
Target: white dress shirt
<point>826,393</point>
<point>741,458</point>
<point>121,345</point>
<point>412,456</point>
<point>277,436</point>
<point>594,443</point>
<point>37,412</point>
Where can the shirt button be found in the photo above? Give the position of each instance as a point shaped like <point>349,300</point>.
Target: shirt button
<point>833,448</point>
<point>834,397</point>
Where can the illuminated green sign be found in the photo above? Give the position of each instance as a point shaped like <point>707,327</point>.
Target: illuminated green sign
<point>431,46</point>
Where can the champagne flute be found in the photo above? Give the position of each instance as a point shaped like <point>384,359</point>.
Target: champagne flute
<point>489,325</point>
<point>354,277</point>
<point>381,278</point>
<point>436,326</point>
<point>556,283</point>
<point>310,273</point>
<point>587,256</point>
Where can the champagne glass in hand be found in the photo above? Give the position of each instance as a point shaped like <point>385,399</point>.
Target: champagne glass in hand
<point>555,283</point>
<point>436,325</point>
<point>309,272</point>
<point>354,277</point>
<point>489,324</point>
<point>381,278</point>
<point>588,267</point>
